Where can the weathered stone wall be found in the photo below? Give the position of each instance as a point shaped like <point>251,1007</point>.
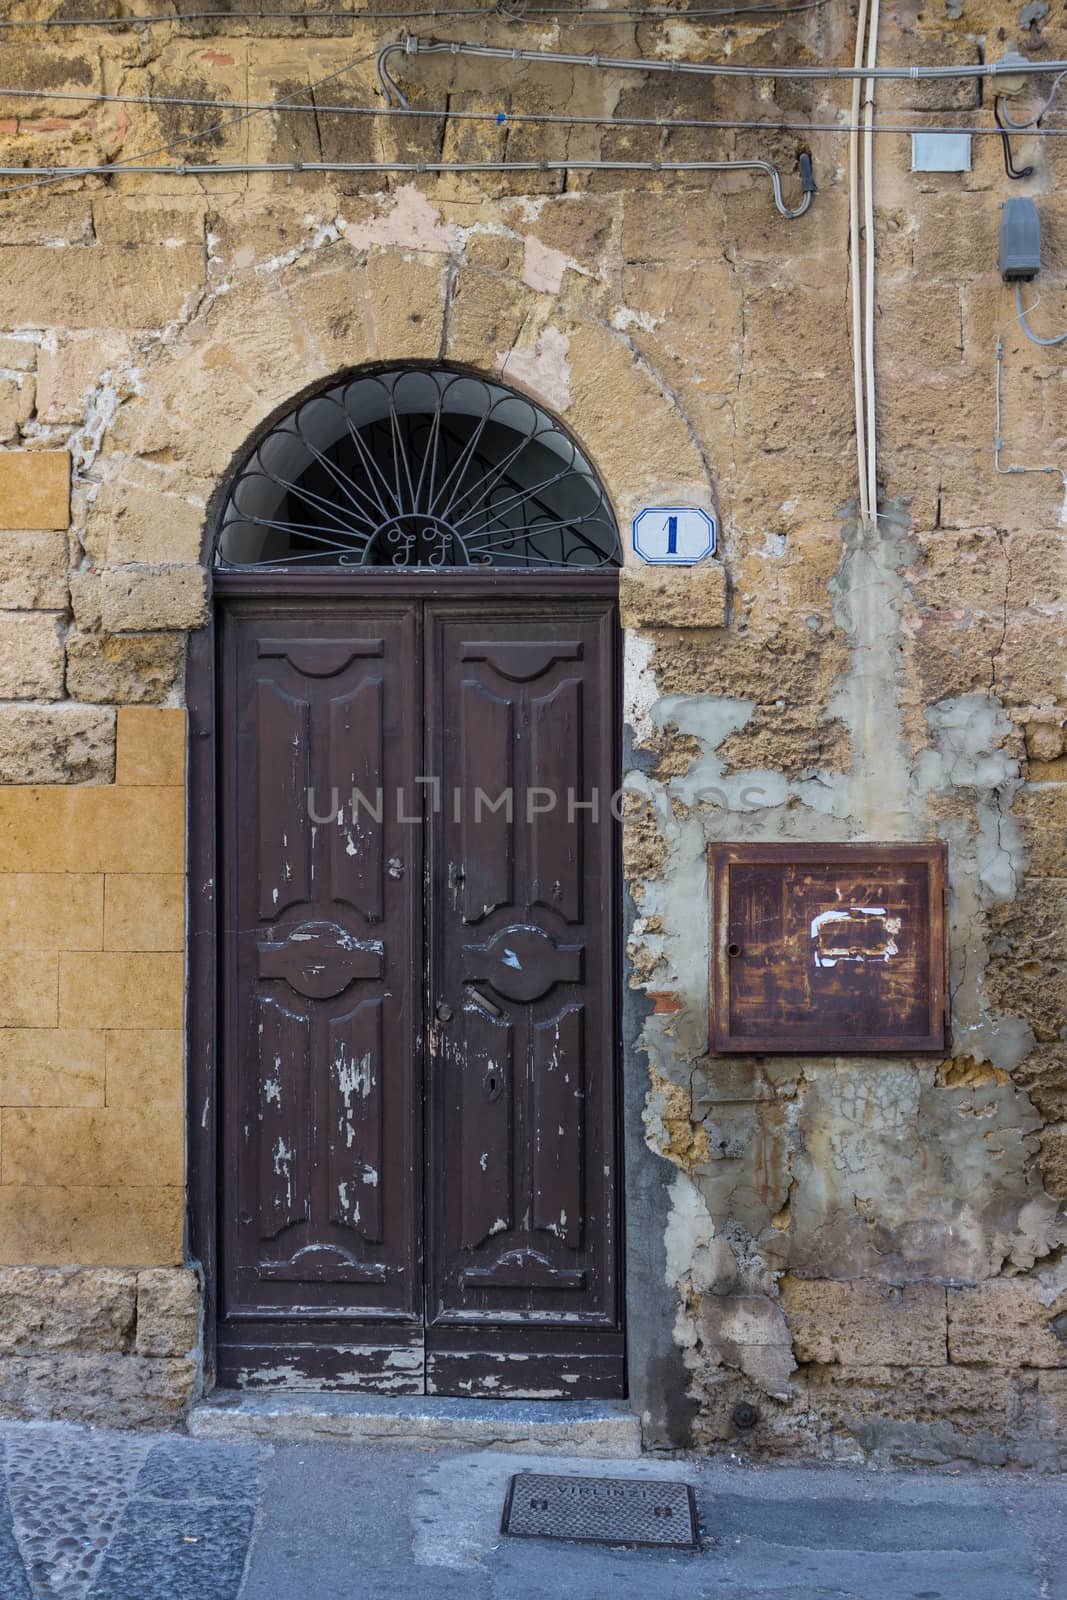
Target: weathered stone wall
<point>103,1345</point>
<point>867,1250</point>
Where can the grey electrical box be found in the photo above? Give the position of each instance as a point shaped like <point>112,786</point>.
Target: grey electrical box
<point>1020,240</point>
<point>940,152</point>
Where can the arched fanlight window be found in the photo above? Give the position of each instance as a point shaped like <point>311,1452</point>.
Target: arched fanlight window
<point>417,467</point>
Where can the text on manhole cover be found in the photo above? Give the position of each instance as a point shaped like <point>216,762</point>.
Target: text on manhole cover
<point>601,1510</point>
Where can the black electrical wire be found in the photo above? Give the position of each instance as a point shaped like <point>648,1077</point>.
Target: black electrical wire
<point>500,118</point>
<point>1013,172</point>
<point>205,133</point>
<point>600,17</point>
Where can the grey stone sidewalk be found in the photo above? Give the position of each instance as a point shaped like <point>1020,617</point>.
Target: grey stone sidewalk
<point>91,1515</point>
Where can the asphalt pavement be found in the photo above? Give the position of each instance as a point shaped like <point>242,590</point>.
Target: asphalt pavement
<point>87,1514</point>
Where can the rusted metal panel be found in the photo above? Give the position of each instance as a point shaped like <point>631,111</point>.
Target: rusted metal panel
<point>828,947</point>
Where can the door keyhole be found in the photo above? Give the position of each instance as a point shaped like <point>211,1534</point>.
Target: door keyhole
<point>493,1085</point>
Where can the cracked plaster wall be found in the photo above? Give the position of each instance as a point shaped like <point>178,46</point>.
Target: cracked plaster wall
<point>866,1249</point>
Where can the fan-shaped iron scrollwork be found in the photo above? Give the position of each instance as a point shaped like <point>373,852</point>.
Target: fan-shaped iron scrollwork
<point>418,467</point>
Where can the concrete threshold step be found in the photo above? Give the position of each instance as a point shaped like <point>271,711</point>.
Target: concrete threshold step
<point>534,1427</point>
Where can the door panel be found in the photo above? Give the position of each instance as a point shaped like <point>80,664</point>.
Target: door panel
<point>322,909</point>
<point>521,1114</point>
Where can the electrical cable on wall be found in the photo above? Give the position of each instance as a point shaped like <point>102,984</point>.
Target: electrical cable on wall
<point>854,266</point>
<point>1011,170</point>
<point>1032,121</point>
<point>413,46</point>
<point>504,118</point>
<point>867,73</point>
<point>582,17</point>
<point>862,257</point>
<point>1019,262</point>
<point>56,175</point>
<point>225,169</point>
<point>998,439</point>
<point>1034,338</point>
<point>869,262</point>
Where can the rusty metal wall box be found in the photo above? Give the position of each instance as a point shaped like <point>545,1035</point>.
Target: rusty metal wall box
<point>828,947</point>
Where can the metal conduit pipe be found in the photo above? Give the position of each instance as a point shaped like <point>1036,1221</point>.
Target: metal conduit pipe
<point>209,169</point>
<point>412,45</point>
<point>502,118</point>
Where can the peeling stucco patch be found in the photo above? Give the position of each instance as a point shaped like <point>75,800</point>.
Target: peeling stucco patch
<point>639,686</point>
<point>543,369</point>
<point>689,1228</point>
<point>411,223</point>
<point>543,267</point>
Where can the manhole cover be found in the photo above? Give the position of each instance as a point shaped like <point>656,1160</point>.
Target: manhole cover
<point>601,1510</point>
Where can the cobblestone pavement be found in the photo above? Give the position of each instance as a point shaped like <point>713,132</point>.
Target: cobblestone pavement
<point>90,1515</point>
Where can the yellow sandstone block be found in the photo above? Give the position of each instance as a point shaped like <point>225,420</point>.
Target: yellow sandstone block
<point>151,746</point>
<point>144,911</point>
<point>52,1067</point>
<point>52,1146</point>
<point>112,990</point>
<point>94,1226</point>
<point>34,828</point>
<point>144,1066</point>
<point>34,489</point>
<point>28,989</point>
<point>131,830</point>
<point>51,911</point>
<point>91,828</point>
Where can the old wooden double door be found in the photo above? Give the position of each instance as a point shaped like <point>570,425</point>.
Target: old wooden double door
<point>418,1187</point>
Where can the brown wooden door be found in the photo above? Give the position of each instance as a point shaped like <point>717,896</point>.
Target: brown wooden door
<point>472,1249</point>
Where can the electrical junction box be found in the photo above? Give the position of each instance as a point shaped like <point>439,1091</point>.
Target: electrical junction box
<point>940,152</point>
<point>1019,257</point>
<point>828,948</point>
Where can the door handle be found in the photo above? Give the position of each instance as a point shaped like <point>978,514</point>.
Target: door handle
<point>484,1001</point>
<point>444,1012</point>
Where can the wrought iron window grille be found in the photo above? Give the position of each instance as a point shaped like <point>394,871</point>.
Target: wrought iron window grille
<point>417,467</point>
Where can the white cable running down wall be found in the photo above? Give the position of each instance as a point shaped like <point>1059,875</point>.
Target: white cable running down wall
<point>855,272</point>
<point>869,264</point>
<point>862,258</point>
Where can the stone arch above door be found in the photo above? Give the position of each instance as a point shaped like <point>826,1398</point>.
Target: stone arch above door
<point>216,380</point>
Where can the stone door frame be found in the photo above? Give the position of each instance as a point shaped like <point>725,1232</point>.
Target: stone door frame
<point>657,1379</point>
